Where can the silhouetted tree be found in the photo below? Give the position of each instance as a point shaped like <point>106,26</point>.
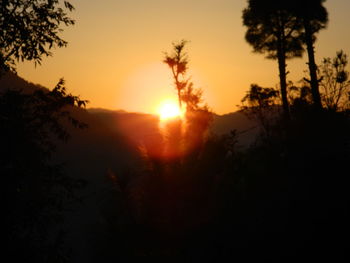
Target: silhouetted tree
<point>260,104</point>
<point>198,116</point>
<point>177,62</point>
<point>30,28</point>
<point>35,189</point>
<point>300,98</point>
<point>335,82</point>
<point>314,17</point>
<point>302,92</point>
<point>273,29</point>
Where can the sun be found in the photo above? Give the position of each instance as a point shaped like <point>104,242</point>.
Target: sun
<point>169,109</point>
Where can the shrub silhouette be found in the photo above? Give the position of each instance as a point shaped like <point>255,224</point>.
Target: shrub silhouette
<point>37,191</point>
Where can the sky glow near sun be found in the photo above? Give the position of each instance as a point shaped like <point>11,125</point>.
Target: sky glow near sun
<point>115,52</point>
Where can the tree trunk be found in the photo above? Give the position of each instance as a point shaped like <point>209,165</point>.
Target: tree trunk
<point>179,97</point>
<point>312,65</point>
<point>283,82</point>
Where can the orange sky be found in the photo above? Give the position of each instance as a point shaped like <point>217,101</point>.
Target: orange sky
<point>116,47</point>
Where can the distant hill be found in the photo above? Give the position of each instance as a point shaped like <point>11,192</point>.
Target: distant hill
<point>12,81</point>
<point>136,127</point>
<point>246,129</point>
<point>113,137</point>
<point>99,142</point>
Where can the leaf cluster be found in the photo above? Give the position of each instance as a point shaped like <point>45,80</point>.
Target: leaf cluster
<point>334,82</point>
<point>311,11</point>
<point>30,28</point>
<point>178,63</point>
<point>272,28</point>
<point>261,104</point>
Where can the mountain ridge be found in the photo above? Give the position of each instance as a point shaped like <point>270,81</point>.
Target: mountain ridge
<point>122,121</point>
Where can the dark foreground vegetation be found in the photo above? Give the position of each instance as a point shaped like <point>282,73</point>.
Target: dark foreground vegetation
<point>100,186</point>
<point>284,196</point>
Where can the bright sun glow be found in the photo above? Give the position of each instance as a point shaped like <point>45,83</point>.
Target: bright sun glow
<point>169,109</point>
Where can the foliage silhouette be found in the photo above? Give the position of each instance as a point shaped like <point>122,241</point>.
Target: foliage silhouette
<point>198,116</point>
<point>335,84</point>
<point>177,62</point>
<point>295,178</point>
<point>273,29</point>
<point>37,192</point>
<point>29,29</point>
<point>261,104</point>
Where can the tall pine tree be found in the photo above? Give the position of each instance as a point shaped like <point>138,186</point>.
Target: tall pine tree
<point>274,30</point>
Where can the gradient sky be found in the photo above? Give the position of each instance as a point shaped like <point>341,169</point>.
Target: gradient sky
<point>115,52</point>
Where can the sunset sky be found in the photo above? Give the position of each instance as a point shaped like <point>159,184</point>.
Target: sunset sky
<point>115,52</point>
